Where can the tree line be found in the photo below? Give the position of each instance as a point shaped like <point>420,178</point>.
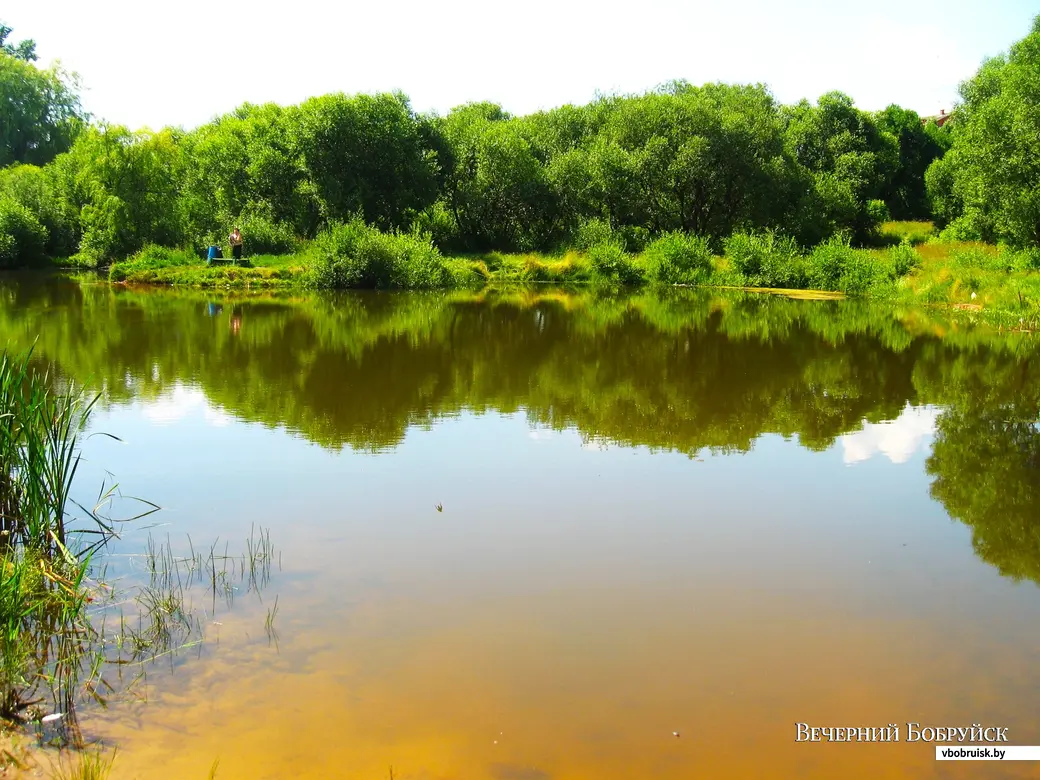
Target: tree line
<point>706,160</point>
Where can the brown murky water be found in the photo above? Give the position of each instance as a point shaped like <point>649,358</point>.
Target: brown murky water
<point>717,516</point>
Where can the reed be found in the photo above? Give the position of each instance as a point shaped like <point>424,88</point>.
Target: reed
<point>46,546</point>
<point>65,634</point>
<point>88,765</point>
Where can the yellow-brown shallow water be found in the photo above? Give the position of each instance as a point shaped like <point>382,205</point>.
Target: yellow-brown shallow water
<point>713,516</point>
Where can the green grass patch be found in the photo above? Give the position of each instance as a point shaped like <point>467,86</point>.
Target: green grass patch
<point>159,265</point>
<point>916,232</point>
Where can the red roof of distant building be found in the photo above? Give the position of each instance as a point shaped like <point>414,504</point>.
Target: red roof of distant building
<point>940,119</point>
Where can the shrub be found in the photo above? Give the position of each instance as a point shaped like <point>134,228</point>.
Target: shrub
<point>744,253</point>
<point>984,258</point>
<point>1028,259</point>
<point>263,236</point>
<point>81,261</point>
<point>877,214</point>
<point>835,265</point>
<point>610,262</point>
<point>828,261</point>
<point>905,258</point>
<point>678,258</point>
<point>22,238</point>
<point>862,272</point>
<point>354,255</point>
<point>108,232</point>
<point>767,259</point>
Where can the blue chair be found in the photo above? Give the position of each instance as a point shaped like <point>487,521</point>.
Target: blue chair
<point>214,255</point>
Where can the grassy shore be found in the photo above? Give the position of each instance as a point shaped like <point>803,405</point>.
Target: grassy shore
<point>909,264</point>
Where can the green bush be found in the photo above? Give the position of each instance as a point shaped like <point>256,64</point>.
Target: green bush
<point>108,232</point>
<point>877,214</point>
<point>744,253</point>
<point>610,262</point>
<point>23,239</point>
<point>1028,260</point>
<point>767,259</point>
<point>81,261</point>
<point>977,257</point>
<point>835,265</point>
<point>263,236</point>
<point>354,255</point>
<point>904,258</point>
<point>828,262</point>
<point>678,258</point>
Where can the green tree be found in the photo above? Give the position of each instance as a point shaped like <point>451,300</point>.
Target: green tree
<point>498,191</point>
<point>123,186</point>
<point>33,188</point>
<point>849,160</point>
<point>988,185</point>
<point>40,113</point>
<point>246,166</point>
<point>705,160</point>
<point>22,238</point>
<point>25,50</point>
<point>904,192</point>
<point>367,154</point>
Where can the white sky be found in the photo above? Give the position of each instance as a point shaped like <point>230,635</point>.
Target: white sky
<point>154,64</point>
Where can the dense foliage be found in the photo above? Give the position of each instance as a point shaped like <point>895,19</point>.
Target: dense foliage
<point>988,185</point>
<point>40,112</point>
<point>611,177</point>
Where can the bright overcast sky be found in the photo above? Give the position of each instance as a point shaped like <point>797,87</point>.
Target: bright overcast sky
<point>154,64</point>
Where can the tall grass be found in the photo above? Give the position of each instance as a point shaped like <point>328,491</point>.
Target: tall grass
<point>45,544</point>
<point>916,232</point>
<point>52,649</point>
<point>152,258</point>
<point>89,765</point>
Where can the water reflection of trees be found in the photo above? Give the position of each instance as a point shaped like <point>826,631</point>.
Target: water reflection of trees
<point>986,465</point>
<point>679,370</point>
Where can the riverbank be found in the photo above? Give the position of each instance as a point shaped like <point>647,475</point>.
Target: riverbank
<point>999,285</point>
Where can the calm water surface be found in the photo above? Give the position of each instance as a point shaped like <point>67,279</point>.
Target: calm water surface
<point>718,516</point>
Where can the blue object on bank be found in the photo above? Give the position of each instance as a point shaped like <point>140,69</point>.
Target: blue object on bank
<point>214,254</point>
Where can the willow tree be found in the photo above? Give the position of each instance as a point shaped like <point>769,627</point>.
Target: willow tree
<point>40,112</point>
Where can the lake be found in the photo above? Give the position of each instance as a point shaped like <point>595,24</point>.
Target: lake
<point>535,534</point>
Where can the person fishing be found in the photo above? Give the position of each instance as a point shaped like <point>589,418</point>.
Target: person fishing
<point>236,244</point>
